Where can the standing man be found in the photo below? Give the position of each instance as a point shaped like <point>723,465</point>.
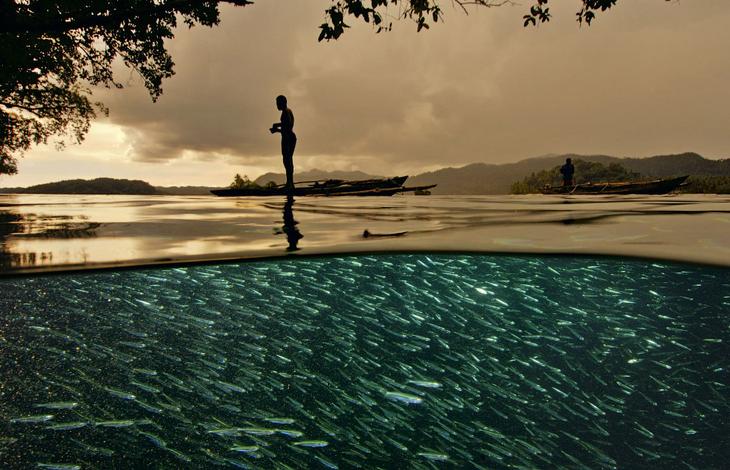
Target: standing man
<point>567,171</point>
<point>288,139</point>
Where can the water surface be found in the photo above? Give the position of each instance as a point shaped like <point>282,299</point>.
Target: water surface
<point>51,232</point>
<point>380,361</point>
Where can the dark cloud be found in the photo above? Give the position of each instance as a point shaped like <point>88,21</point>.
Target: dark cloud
<point>644,79</point>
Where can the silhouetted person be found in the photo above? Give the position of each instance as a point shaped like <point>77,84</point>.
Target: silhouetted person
<point>567,171</point>
<point>288,139</point>
<point>290,225</point>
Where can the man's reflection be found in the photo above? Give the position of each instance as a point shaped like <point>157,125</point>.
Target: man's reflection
<point>290,225</point>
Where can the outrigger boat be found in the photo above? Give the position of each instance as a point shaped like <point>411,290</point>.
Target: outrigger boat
<point>331,187</point>
<point>663,186</point>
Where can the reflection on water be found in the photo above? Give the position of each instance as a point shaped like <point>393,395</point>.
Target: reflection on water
<point>290,226</point>
<point>58,232</point>
<point>11,224</point>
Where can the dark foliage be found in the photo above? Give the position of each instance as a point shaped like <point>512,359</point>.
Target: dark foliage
<point>51,51</point>
<point>707,184</point>
<point>423,12</point>
<point>585,172</point>
<point>241,183</point>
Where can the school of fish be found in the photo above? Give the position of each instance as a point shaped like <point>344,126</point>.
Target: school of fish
<point>398,361</point>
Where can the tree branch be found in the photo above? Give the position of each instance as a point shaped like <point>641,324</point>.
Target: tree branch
<point>481,3</point>
<point>31,110</point>
<point>61,25</point>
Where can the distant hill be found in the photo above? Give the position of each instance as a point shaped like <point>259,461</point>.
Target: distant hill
<point>482,178</point>
<point>477,178</point>
<point>679,164</point>
<point>95,186</point>
<point>108,186</point>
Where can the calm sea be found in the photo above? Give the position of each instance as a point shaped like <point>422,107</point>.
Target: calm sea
<point>438,332</point>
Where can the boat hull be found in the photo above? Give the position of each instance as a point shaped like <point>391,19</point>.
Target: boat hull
<point>383,191</point>
<point>326,188</point>
<point>644,187</point>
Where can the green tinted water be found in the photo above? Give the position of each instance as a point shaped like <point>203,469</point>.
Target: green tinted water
<point>394,361</point>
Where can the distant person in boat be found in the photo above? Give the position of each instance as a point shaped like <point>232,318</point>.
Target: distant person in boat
<point>288,139</point>
<point>567,171</point>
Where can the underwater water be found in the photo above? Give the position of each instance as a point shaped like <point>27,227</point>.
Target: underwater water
<point>387,361</point>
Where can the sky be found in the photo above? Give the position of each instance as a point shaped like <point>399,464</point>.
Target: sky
<point>648,77</point>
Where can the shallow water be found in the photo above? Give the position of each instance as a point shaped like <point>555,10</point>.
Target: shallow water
<point>51,232</point>
<point>397,361</point>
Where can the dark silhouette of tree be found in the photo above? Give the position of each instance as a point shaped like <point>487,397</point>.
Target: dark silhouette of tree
<point>242,183</point>
<point>52,51</point>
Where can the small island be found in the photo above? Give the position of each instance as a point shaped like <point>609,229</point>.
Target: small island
<point>108,186</point>
<point>94,186</point>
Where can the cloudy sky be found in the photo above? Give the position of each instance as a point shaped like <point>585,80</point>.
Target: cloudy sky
<point>647,78</point>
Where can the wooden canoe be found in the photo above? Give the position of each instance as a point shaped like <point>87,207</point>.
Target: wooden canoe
<point>662,186</point>
<point>381,191</point>
<point>318,188</point>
